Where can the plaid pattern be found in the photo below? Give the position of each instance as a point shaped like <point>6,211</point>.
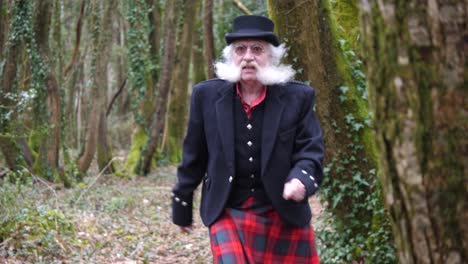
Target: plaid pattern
<point>255,233</point>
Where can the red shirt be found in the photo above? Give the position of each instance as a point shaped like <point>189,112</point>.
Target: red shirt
<point>249,108</point>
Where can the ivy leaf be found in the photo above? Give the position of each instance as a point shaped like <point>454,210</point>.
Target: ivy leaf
<point>357,178</point>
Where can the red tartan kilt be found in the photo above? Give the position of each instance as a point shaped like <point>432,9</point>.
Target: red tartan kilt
<point>257,234</point>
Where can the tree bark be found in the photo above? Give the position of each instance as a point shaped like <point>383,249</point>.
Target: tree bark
<point>8,145</point>
<point>154,37</point>
<point>51,144</point>
<point>198,59</point>
<point>143,89</point>
<point>12,138</point>
<point>3,28</point>
<point>306,28</point>
<point>416,65</point>
<point>96,98</point>
<point>160,109</point>
<point>104,150</point>
<point>179,92</point>
<point>76,50</point>
<point>208,44</point>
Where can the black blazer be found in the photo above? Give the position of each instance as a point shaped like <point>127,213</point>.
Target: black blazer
<point>292,147</point>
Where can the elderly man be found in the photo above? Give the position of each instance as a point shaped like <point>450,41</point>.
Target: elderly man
<point>254,142</point>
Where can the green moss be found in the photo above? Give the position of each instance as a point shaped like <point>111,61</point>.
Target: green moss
<point>346,21</point>
<point>138,142</point>
<point>175,150</point>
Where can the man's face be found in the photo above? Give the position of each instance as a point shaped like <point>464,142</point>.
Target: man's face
<point>249,55</point>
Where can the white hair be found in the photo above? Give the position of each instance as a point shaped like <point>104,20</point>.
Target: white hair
<point>273,73</point>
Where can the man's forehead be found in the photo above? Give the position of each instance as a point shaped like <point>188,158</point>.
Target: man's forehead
<point>250,42</point>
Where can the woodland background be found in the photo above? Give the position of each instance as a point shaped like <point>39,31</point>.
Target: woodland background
<point>93,106</point>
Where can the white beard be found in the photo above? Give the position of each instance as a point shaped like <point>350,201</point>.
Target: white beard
<point>266,75</point>
<point>228,72</point>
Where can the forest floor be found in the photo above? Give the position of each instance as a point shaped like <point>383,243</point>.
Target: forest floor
<point>104,219</point>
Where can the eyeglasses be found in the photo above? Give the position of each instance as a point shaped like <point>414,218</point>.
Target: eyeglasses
<point>255,49</point>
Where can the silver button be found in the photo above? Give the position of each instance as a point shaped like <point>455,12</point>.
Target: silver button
<point>230,178</point>
<point>184,204</point>
<point>177,199</point>
<point>252,176</point>
<point>312,178</point>
<point>252,190</point>
<point>315,184</point>
<point>249,126</point>
<point>249,143</point>
<point>304,172</point>
<point>250,159</point>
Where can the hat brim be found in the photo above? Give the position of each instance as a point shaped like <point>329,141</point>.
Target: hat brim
<point>266,36</point>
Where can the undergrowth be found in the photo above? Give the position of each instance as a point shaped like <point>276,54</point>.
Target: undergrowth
<point>103,219</point>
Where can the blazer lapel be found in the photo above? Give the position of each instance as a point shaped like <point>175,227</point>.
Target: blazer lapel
<point>225,121</point>
<point>273,110</point>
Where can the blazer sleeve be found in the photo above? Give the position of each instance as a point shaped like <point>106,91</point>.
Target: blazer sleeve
<point>193,165</point>
<point>308,151</point>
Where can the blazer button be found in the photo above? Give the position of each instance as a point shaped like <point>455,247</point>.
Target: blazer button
<point>230,178</point>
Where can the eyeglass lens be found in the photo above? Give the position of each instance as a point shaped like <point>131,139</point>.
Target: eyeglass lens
<point>254,49</point>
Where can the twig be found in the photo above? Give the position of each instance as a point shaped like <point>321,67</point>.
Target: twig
<point>146,224</point>
<point>47,185</point>
<point>297,6</point>
<point>109,107</point>
<point>95,180</point>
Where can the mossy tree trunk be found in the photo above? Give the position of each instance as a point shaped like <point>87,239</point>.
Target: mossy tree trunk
<point>164,84</point>
<point>180,76</point>
<point>208,43</point>
<point>417,69</point>
<point>307,29</point>
<point>50,146</point>
<point>11,54</point>
<point>143,79</point>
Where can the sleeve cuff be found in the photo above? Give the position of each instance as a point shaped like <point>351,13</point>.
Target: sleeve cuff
<point>182,210</point>
<point>306,178</point>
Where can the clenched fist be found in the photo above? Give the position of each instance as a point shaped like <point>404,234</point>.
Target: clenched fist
<point>294,190</point>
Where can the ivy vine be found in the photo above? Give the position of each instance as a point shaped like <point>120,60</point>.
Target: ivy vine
<point>338,239</point>
<point>138,51</point>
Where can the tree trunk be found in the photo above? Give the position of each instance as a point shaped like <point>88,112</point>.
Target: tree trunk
<point>208,45</point>
<point>415,52</point>
<point>104,150</point>
<point>8,145</point>
<point>179,92</point>
<point>51,144</point>
<point>9,142</point>
<point>142,79</point>
<point>154,36</point>
<point>3,27</point>
<point>198,59</point>
<point>159,112</point>
<point>350,156</point>
<point>97,102</point>
<point>123,100</point>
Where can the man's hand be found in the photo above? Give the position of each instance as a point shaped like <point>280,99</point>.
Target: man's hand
<point>294,190</point>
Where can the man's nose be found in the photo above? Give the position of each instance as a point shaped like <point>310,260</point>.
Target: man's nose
<point>249,56</point>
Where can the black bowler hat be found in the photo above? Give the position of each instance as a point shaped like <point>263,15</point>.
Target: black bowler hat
<point>252,26</point>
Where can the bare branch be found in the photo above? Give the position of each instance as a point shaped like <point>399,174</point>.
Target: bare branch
<point>242,7</point>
